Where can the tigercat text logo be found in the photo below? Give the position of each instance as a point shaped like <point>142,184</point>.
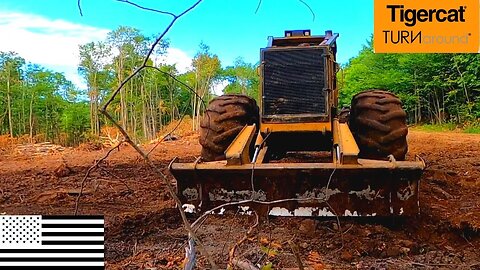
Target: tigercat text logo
<point>427,26</point>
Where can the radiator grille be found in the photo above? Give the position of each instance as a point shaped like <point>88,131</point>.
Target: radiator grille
<point>293,81</point>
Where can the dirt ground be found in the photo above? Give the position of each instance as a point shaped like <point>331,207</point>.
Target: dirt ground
<point>144,230</point>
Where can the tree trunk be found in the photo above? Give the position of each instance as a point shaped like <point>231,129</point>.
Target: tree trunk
<point>92,121</point>
<point>145,128</point>
<point>31,116</point>
<point>194,103</point>
<point>464,86</point>
<point>9,106</point>
<point>151,113</point>
<point>123,104</point>
<point>23,120</point>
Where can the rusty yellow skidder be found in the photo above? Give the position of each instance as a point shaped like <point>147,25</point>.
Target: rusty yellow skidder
<point>349,164</point>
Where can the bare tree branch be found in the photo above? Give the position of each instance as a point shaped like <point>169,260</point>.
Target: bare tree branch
<point>147,8</point>
<point>170,188</point>
<point>309,8</point>
<point>271,202</point>
<point>144,64</point>
<point>301,1</point>
<point>231,254</point>
<point>258,6</point>
<point>79,7</point>
<point>296,253</point>
<point>180,82</point>
<point>188,227</point>
<point>190,255</point>
<point>210,211</point>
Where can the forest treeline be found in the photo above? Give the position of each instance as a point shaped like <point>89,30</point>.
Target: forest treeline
<point>38,104</point>
<point>434,88</point>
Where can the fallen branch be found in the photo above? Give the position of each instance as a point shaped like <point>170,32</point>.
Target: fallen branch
<point>247,235</point>
<point>244,265</point>
<point>296,253</point>
<point>115,176</point>
<point>94,166</point>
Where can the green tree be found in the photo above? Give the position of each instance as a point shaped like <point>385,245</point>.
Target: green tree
<point>94,57</point>
<point>11,77</point>
<point>206,69</point>
<point>435,88</point>
<point>242,77</point>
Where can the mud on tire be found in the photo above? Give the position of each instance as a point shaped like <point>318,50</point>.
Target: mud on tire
<point>378,124</point>
<point>224,118</point>
<point>344,115</point>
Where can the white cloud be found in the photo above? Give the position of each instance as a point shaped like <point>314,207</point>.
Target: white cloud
<point>50,43</point>
<point>54,43</point>
<point>178,57</point>
<point>218,87</point>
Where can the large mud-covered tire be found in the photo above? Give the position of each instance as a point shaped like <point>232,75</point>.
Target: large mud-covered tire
<point>344,115</point>
<point>224,118</point>
<point>378,124</point>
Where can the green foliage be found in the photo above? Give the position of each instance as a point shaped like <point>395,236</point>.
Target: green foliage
<point>46,106</point>
<point>39,102</point>
<point>436,127</point>
<point>472,129</point>
<point>243,79</point>
<point>35,100</point>
<point>206,71</point>
<point>438,89</point>
<point>434,88</point>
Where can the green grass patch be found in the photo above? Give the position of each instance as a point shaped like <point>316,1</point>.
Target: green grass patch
<point>436,127</point>
<point>473,128</point>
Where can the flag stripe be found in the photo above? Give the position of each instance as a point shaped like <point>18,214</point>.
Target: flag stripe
<point>36,266</point>
<point>51,255</point>
<point>72,225</point>
<point>71,217</point>
<point>72,242</point>
<point>72,238</point>
<point>72,221</point>
<point>53,250</point>
<point>30,259</point>
<point>69,247</point>
<point>57,233</point>
<point>80,265</point>
<point>73,230</point>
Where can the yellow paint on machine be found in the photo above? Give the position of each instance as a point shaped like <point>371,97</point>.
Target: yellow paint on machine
<point>296,127</point>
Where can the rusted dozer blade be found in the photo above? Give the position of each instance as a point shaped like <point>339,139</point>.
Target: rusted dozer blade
<point>373,188</point>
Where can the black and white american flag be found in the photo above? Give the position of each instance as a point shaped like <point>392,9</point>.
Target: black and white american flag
<point>50,242</point>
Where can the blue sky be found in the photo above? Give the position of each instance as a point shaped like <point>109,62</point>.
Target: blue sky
<point>48,32</point>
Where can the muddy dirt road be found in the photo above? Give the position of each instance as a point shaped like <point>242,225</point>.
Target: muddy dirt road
<point>144,230</point>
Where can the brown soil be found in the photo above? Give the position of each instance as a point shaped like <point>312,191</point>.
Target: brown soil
<point>144,230</point>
